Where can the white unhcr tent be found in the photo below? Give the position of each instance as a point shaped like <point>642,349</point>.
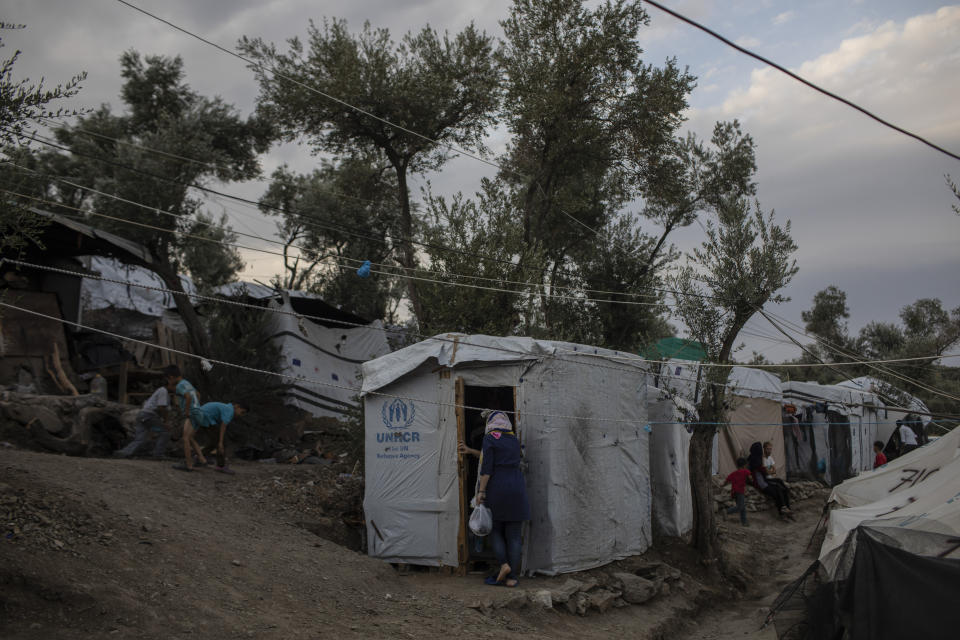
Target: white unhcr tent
<point>670,462</point>
<point>583,428</point>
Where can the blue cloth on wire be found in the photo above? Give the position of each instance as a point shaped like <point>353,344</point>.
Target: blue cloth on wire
<point>364,270</point>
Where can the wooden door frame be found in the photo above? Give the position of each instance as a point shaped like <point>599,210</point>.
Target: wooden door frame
<point>462,553</point>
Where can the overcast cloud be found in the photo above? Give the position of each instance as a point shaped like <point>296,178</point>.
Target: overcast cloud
<point>869,207</point>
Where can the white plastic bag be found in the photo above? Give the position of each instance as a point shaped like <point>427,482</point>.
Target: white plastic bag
<point>481,520</point>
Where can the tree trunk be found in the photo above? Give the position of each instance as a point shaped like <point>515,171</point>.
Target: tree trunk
<point>198,335</point>
<point>701,485</point>
<point>408,255</point>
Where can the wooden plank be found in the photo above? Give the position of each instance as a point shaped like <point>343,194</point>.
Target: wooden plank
<point>462,553</point>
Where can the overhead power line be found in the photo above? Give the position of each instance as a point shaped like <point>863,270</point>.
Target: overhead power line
<point>460,341</point>
<point>800,79</point>
<point>304,379</point>
<point>347,229</point>
<point>87,212</point>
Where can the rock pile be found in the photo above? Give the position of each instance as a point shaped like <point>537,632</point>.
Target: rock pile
<point>74,425</point>
<point>756,501</point>
<point>595,593</point>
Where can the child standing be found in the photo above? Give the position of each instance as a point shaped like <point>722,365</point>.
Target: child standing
<point>738,488</point>
<point>879,460</point>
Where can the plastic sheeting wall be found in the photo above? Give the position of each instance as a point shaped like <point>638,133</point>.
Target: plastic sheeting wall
<point>411,500</point>
<point>331,355</point>
<point>751,420</point>
<point>669,468</point>
<point>588,480</point>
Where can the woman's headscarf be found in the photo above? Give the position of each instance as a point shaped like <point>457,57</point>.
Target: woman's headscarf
<point>498,420</point>
<point>756,457</point>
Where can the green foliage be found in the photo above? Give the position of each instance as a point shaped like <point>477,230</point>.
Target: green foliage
<point>22,102</point>
<point>209,263</point>
<point>242,337</point>
<point>744,262</point>
<point>484,226</point>
<point>956,192</point>
<point>443,88</point>
<point>328,233</point>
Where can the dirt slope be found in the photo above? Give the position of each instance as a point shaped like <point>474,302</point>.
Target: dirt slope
<point>109,548</point>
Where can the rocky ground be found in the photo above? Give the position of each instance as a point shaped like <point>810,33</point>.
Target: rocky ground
<point>134,548</point>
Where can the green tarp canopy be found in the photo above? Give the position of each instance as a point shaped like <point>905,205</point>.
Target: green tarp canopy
<point>676,349</point>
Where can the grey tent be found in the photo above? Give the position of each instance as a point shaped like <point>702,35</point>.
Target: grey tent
<point>580,413</point>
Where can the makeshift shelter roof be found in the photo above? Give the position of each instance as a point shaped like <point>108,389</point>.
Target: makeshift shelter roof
<point>449,349</point>
<point>754,383</point>
<point>891,395</point>
<point>100,294</point>
<point>844,400</point>
<point>676,349</point>
<point>67,236</point>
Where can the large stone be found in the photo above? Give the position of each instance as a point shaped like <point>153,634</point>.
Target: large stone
<point>564,592</point>
<point>542,598</point>
<point>655,570</point>
<point>637,590</point>
<point>50,421</point>
<point>578,604</point>
<point>601,599</point>
<point>516,600</point>
<point>588,584</point>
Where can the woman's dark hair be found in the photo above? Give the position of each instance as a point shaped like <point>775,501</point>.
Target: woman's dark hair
<point>172,371</point>
<point>756,456</point>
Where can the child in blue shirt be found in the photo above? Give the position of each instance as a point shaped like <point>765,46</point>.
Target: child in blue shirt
<point>202,419</point>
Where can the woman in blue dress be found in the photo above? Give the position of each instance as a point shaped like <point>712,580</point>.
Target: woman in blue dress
<point>502,489</point>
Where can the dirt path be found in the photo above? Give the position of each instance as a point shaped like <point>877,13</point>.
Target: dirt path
<point>110,548</point>
<point>778,554</point>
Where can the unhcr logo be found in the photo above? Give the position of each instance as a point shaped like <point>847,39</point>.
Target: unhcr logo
<point>398,414</point>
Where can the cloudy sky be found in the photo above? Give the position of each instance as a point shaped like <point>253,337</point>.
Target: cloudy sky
<point>869,207</point>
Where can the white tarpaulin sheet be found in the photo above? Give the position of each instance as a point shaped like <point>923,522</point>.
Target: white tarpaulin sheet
<point>325,360</point>
<point>450,349</point>
<point>98,294</point>
<point>754,383</point>
<point>899,474</point>
<point>899,400</point>
<point>670,462</point>
<point>586,449</point>
<point>917,498</point>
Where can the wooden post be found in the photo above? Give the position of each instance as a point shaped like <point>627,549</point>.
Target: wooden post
<point>122,384</point>
<point>462,552</point>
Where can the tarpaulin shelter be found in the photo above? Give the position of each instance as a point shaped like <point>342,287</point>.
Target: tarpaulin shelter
<point>754,397</point>
<point>899,474</point>
<point>897,405</point>
<point>836,430</point>
<point>581,416</point>
<point>324,353</point>
<point>670,462</point>
<point>916,494</point>
<point>890,568</point>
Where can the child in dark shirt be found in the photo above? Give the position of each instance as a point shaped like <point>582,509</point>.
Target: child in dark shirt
<point>738,487</point>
